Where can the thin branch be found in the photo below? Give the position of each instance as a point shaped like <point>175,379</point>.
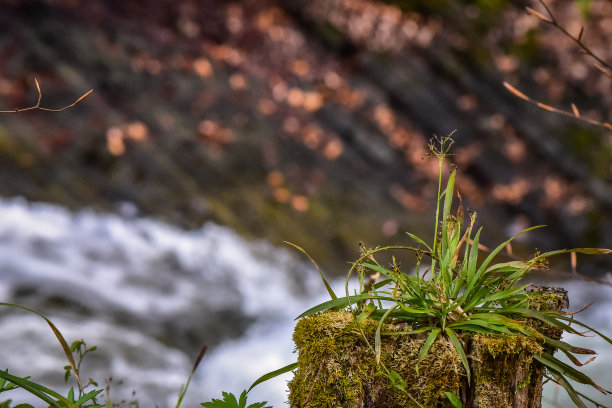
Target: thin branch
<point>575,114</point>
<point>602,65</point>
<point>38,107</point>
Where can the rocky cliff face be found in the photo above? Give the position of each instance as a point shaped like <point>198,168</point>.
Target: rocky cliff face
<point>307,121</point>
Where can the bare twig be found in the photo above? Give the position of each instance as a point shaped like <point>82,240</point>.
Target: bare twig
<point>573,114</point>
<point>602,65</point>
<point>38,107</point>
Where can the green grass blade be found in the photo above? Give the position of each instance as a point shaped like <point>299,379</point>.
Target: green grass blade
<point>467,323</point>
<point>550,317</point>
<point>340,303</point>
<point>569,319</point>
<point>473,259</point>
<point>454,399</point>
<point>503,295</point>
<point>589,251</point>
<point>559,379</point>
<point>383,271</point>
<point>327,286</point>
<point>416,312</point>
<point>571,392</point>
<point>48,395</point>
<point>476,279</point>
<point>561,345</point>
<point>510,266</point>
<point>567,371</point>
<point>475,329</point>
<point>416,331</point>
<point>448,201</point>
<point>59,337</point>
<point>377,341</point>
<point>460,352</point>
<point>420,241</point>
<point>433,335</point>
<point>367,311</point>
<point>475,299</point>
<point>272,374</point>
<point>196,363</point>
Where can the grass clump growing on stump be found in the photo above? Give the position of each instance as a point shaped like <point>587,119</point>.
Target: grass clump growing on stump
<point>501,335</point>
<point>343,367</point>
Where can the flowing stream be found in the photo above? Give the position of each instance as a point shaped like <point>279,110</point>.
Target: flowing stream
<point>149,294</point>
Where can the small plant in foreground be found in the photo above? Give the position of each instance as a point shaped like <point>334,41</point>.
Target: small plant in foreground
<point>229,401</point>
<point>87,399</point>
<point>458,294</point>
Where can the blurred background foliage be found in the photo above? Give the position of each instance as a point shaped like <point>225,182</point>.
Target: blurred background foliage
<point>308,121</point>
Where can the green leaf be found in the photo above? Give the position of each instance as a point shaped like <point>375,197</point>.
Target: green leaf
<point>395,380</point>
<point>377,342</point>
<point>367,311</point>
<point>420,241</point>
<point>327,286</point>
<point>419,330</point>
<point>567,371</point>
<point>272,374</point>
<point>229,401</point>
<point>448,201</point>
<point>589,251</point>
<point>49,396</point>
<point>340,303</point>
<point>383,271</point>
<point>417,312</point>
<point>475,281</point>
<point>561,345</point>
<point>475,299</point>
<point>243,400</point>
<point>427,345</point>
<point>460,352</point>
<point>90,395</point>
<point>59,337</point>
<point>513,265</point>
<point>259,405</point>
<point>473,260</point>
<point>579,323</point>
<point>7,385</point>
<point>568,388</point>
<point>466,324</point>
<point>453,398</point>
<point>504,294</point>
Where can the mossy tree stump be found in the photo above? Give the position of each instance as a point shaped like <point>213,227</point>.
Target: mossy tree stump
<point>337,369</point>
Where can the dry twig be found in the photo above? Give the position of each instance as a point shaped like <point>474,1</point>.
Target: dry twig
<point>38,107</point>
<point>574,114</point>
<point>600,64</point>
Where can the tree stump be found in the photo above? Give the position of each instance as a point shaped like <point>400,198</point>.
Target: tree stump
<point>337,369</point>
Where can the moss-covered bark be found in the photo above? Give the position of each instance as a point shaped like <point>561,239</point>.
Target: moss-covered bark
<point>336,368</point>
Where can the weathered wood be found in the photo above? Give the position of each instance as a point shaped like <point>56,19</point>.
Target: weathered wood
<point>336,367</point>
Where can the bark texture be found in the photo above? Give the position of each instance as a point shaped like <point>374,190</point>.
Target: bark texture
<point>336,368</point>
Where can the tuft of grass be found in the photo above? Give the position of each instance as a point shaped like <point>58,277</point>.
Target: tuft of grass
<point>460,293</point>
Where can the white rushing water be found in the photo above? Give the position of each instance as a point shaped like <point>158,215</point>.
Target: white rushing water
<point>141,290</point>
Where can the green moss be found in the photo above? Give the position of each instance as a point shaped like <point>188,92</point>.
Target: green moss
<point>541,301</point>
<point>510,345</point>
<point>503,367</point>
<point>336,368</point>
